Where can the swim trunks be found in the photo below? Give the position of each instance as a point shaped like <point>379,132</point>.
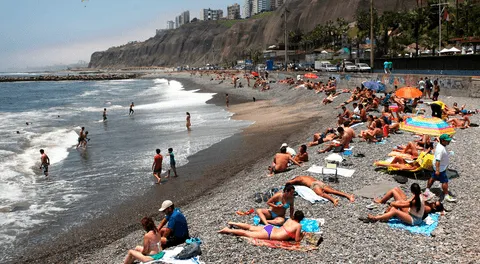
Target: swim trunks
<point>45,168</point>
<point>317,184</point>
<point>159,171</point>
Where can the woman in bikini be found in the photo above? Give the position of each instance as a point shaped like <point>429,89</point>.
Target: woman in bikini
<point>290,230</point>
<point>188,121</point>
<point>279,203</point>
<point>151,244</point>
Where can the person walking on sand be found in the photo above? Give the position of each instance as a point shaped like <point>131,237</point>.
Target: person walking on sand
<point>226,99</point>
<point>131,112</point>
<point>45,162</point>
<point>440,169</point>
<point>188,121</point>
<point>172,163</point>
<point>81,136</point>
<point>104,114</point>
<point>157,166</point>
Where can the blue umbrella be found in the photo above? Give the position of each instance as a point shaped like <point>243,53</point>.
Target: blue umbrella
<point>374,85</point>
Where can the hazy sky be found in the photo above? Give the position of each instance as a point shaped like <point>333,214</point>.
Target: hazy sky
<point>36,33</point>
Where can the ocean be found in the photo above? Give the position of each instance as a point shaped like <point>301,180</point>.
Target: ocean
<point>84,184</point>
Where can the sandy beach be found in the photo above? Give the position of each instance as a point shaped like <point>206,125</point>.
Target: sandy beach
<point>284,114</point>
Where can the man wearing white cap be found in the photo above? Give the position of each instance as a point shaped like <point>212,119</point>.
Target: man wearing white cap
<point>290,150</point>
<point>176,231</point>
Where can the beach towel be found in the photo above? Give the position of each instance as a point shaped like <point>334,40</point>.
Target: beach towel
<point>340,171</point>
<point>308,194</point>
<point>309,225</point>
<point>376,190</point>
<point>169,257</point>
<point>425,228</point>
<point>288,245</point>
<point>357,124</point>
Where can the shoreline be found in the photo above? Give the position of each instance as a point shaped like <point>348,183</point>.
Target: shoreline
<point>198,182</point>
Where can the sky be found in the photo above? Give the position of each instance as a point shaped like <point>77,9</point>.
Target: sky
<point>36,33</point>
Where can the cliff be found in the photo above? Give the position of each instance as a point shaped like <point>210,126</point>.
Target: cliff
<point>216,41</point>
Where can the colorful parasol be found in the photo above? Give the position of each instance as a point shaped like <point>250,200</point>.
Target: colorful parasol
<point>310,76</point>
<point>432,126</point>
<point>408,92</point>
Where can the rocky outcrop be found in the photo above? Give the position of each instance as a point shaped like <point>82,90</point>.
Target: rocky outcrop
<point>217,41</point>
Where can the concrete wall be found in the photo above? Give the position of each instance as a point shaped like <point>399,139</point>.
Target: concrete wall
<point>464,86</point>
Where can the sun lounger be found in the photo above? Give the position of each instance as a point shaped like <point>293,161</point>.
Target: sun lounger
<point>340,171</point>
<point>425,228</point>
<point>425,161</point>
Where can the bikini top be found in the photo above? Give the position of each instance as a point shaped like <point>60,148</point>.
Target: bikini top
<point>285,206</point>
<point>290,234</point>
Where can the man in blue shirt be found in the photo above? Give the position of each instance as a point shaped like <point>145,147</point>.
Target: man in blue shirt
<point>176,231</point>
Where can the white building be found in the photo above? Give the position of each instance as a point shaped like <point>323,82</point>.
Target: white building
<point>210,14</point>
<point>170,24</point>
<point>247,8</point>
<point>185,17</point>
<point>233,11</point>
<point>259,6</point>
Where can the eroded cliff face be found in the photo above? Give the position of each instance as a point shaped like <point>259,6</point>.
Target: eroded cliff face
<point>213,42</point>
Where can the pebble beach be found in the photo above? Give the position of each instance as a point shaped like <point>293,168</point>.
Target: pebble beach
<point>298,114</point>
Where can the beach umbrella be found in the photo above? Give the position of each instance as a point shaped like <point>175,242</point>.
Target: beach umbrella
<point>310,76</point>
<point>374,85</point>
<point>408,92</point>
<point>255,74</point>
<point>432,126</point>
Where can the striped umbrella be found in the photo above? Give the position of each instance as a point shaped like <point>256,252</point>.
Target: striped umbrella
<point>432,126</point>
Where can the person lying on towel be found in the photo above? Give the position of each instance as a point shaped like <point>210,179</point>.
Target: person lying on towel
<point>399,163</point>
<point>290,230</point>
<point>320,188</point>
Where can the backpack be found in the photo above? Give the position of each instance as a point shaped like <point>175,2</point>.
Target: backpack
<point>190,251</point>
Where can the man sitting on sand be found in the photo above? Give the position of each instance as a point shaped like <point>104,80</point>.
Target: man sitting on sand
<point>302,155</point>
<point>176,231</point>
<point>320,188</point>
<point>280,162</point>
<point>463,122</point>
<point>279,203</point>
<point>319,138</point>
<point>290,230</point>
<point>345,139</point>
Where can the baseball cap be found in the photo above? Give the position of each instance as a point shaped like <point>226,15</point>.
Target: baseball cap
<point>165,205</point>
<point>284,145</point>
<point>445,137</point>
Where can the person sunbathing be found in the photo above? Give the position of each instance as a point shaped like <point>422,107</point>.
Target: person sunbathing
<point>409,211</point>
<point>373,135</point>
<point>320,188</point>
<point>399,196</point>
<point>346,115</point>
<point>462,123</point>
<point>151,244</point>
<point>280,162</point>
<point>279,203</point>
<point>302,155</point>
<point>290,230</point>
<point>349,100</point>
<point>345,139</point>
<point>319,138</point>
<point>413,147</point>
<point>399,163</point>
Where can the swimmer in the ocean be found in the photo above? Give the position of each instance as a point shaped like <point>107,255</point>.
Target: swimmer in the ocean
<point>45,162</point>
<point>104,114</point>
<point>131,112</point>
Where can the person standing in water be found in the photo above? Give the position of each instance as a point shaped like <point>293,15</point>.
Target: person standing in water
<point>157,166</point>
<point>188,121</point>
<point>45,162</point>
<point>131,112</point>
<point>226,99</point>
<point>172,163</point>
<point>104,114</point>
<point>81,136</point>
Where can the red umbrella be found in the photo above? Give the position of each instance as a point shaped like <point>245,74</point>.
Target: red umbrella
<point>310,76</point>
<point>255,74</point>
<point>408,92</point>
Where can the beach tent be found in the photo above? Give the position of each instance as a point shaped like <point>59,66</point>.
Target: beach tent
<point>445,50</point>
<point>455,50</point>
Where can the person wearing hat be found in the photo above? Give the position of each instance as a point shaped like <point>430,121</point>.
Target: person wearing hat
<point>173,228</point>
<point>440,168</point>
<point>290,150</point>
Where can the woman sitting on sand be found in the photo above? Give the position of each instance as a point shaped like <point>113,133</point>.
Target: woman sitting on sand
<point>404,206</point>
<point>151,244</point>
<point>409,211</point>
<point>290,230</point>
<point>279,203</point>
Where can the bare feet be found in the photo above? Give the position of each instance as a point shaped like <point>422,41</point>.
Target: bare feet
<point>372,217</point>
<point>335,202</point>
<point>377,200</point>
<point>224,231</point>
<point>351,198</point>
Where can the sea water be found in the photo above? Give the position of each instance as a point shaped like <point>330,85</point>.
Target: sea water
<point>117,160</point>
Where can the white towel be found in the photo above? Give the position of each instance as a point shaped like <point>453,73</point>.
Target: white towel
<point>169,257</point>
<point>308,194</point>
<point>340,171</point>
<point>357,124</point>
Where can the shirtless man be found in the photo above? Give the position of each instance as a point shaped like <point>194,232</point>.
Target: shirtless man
<point>81,136</point>
<point>226,99</point>
<point>345,139</point>
<point>131,112</point>
<point>45,162</point>
<point>302,155</point>
<point>157,166</point>
<point>319,138</point>
<point>345,116</point>
<point>104,114</point>
<point>348,130</point>
<point>280,162</point>
<point>463,122</point>
<point>320,188</point>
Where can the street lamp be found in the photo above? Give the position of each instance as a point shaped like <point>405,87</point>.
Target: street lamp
<point>441,8</point>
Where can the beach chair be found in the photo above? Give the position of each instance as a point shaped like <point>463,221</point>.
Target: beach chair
<point>331,164</point>
<point>425,161</point>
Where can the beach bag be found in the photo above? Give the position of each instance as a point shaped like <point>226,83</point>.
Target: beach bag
<point>190,251</point>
